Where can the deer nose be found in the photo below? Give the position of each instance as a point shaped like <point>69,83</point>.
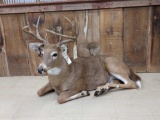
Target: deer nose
<point>40,70</point>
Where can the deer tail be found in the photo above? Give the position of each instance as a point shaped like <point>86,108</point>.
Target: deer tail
<point>133,76</point>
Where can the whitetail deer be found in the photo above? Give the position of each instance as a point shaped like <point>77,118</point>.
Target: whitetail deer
<point>74,80</point>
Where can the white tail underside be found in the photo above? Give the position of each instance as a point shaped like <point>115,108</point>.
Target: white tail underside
<point>138,83</point>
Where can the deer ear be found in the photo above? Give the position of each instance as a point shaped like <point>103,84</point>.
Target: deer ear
<point>36,47</point>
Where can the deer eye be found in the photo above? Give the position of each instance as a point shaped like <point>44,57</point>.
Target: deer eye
<point>54,55</point>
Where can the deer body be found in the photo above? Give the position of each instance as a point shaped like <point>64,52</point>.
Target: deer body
<point>83,74</point>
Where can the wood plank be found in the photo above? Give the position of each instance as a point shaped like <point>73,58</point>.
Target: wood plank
<point>34,59</point>
<point>3,60</point>
<point>149,45</point>
<point>15,45</point>
<point>136,37</point>
<point>3,67</point>
<point>81,40</point>
<point>155,45</point>
<point>17,65</point>
<point>74,5</point>
<point>89,38</point>
<point>111,29</point>
<point>12,3</point>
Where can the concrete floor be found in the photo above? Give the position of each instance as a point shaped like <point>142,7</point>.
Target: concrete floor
<point>18,101</point>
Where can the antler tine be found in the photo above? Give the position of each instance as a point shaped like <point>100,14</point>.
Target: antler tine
<point>29,32</point>
<point>71,22</point>
<point>66,36</point>
<point>59,29</point>
<point>61,35</point>
<point>75,26</point>
<point>64,41</point>
<point>37,31</point>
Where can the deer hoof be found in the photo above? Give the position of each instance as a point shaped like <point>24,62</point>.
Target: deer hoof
<point>101,92</point>
<point>88,94</point>
<point>85,93</point>
<point>97,93</point>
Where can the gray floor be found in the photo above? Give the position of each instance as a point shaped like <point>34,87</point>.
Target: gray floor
<point>18,101</point>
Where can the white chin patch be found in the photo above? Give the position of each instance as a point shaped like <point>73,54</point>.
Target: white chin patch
<point>54,71</point>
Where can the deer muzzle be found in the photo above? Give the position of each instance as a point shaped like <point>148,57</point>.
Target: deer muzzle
<point>40,70</point>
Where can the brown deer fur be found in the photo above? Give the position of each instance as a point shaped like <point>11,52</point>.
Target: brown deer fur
<point>83,74</point>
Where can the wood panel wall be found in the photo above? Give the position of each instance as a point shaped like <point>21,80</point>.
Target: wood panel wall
<point>131,34</point>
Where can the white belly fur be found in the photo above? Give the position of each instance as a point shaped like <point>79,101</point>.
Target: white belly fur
<point>120,78</point>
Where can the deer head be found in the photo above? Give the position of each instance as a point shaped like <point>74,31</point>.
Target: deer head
<point>51,54</point>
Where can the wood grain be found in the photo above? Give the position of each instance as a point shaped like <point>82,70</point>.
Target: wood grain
<point>15,45</point>
<point>155,45</point>
<point>111,30</point>
<point>3,60</point>
<point>89,38</point>
<point>74,5</point>
<point>136,37</point>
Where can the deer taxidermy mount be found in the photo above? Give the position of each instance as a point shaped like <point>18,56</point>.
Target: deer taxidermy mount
<point>72,79</point>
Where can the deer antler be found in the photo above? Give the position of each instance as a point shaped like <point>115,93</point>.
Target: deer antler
<point>75,27</point>
<point>70,38</point>
<point>59,29</point>
<point>75,30</point>
<point>64,41</point>
<point>38,36</point>
<point>66,36</point>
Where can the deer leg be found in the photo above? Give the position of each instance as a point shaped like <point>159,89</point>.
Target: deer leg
<point>68,96</point>
<point>115,81</point>
<point>47,88</point>
<point>101,90</point>
<point>128,84</point>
